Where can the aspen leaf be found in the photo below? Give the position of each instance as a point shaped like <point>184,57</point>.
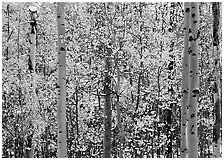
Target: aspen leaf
<point>165,55</point>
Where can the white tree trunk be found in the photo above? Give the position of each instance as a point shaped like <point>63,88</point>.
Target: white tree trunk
<point>61,111</point>
<point>32,57</point>
<point>217,124</point>
<point>192,139</point>
<point>185,80</point>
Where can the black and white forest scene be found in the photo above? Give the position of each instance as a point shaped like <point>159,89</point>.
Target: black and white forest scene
<point>111,79</point>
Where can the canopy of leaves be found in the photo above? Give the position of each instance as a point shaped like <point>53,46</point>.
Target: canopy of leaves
<point>145,38</point>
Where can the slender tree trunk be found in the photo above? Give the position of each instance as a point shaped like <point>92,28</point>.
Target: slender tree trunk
<point>192,140</point>
<point>99,99</point>
<point>32,48</point>
<point>107,107</point>
<point>138,91</point>
<point>76,111</point>
<point>168,131</point>
<point>217,125</point>
<point>8,30</point>
<point>61,112</point>
<point>29,148</point>
<point>131,84</point>
<point>46,150</point>
<point>185,80</point>
<point>47,141</point>
<point>117,87</point>
<point>32,59</point>
<point>121,129</point>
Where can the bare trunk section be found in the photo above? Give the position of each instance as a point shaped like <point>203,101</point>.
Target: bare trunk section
<point>121,129</point>
<point>32,59</point>
<point>131,84</point>
<point>107,106</point>
<point>192,140</point>
<point>61,111</point>
<point>77,112</point>
<point>217,125</point>
<point>168,131</point>
<point>185,80</point>
<point>8,30</point>
<point>138,92</point>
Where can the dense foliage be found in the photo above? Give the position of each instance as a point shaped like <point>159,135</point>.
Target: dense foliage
<point>147,44</point>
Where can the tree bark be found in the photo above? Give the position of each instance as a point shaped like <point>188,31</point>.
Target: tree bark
<point>107,106</point>
<point>131,84</point>
<point>185,80</point>
<point>121,129</point>
<point>61,111</point>
<point>32,59</point>
<point>192,140</point>
<point>8,30</point>
<point>168,131</point>
<point>76,111</point>
<point>217,124</point>
<point>138,91</point>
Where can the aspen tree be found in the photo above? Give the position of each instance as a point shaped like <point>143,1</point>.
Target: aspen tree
<point>192,140</point>
<point>32,58</point>
<point>107,105</point>
<point>121,129</point>
<point>117,90</point>
<point>31,63</point>
<point>217,125</point>
<point>185,80</point>
<point>61,111</point>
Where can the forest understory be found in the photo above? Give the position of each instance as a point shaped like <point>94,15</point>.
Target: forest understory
<point>111,80</point>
